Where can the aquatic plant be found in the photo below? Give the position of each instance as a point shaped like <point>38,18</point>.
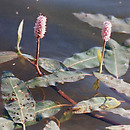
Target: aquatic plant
<point>21,110</point>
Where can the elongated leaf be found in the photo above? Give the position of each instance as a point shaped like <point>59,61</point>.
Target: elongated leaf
<point>87,59</point>
<point>20,30</point>
<point>95,104</point>
<point>118,127</point>
<point>121,111</point>
<point>6,124</point>
<point>96,20</point>
<point>17,99</point>
<point>46,109</point>
<point>56,77</point>
<point>51,65</point>
<point>115,59</point>
<point>7,56</point>
<point>118,84</point>
<point>51,126</point>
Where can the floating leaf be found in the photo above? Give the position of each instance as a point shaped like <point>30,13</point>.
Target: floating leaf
<point>20,29</point>
<point>118,127</point>
<point>46,109</point>
<point>7,56</point>
<point>87,59</point>
<point>56,77</point>
<point>51,126</point>
<point>17,99</point>
<point>121,111</point>
<point>29,123</point>
<point>51,65</point>
<point>118,84</point>
<point>115,59</point>
<point>66,115</point>
<point>96,20</point>
<point>28,56</point>
<point>95,104</point>
<point>6,124</point>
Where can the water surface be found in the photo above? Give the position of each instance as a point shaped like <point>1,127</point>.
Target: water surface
<point>65,36</point>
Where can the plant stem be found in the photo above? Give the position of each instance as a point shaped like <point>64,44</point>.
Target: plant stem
<point>64,95</point>
<point>37,57</point>
<point>103,50</point>
<point>24,127</point>
<point>40,74</point>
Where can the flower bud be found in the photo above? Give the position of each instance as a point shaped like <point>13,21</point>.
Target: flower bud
<point>106,30</point>
<point>40,26</point>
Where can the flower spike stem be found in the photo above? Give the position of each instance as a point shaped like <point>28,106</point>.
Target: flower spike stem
<point>103,50</point>
<point>37,57</point>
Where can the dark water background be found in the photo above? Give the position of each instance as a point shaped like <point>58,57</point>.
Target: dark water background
<point>65,36</point>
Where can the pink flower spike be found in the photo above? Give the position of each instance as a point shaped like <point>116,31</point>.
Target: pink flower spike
<point>106,30</point>
<point>40,26</point>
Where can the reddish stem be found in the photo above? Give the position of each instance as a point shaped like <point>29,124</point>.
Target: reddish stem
<point>37,57</point>
<point>64,95</point>
<point>103,50</point>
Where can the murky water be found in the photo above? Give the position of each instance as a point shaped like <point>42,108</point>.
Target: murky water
<point>65,36</point>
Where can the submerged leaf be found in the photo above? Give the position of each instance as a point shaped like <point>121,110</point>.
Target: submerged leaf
<point>66,115</point>
<point>96,20</point>
<point>7,56</point>
<point>17,99</point>
<point>95,104</point>
<point>96,84</point>
<point>51,65</point>
<point>6,124</point>
<point>46,109</point>
<point>51,126</point>
<point>115,59</point>
<point>118,84</point>
<point>118,127</point>
<point>87,59</point>
<point>56,77</point>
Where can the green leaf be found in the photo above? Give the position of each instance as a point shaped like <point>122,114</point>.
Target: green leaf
<point>115,59</point>
<point>28,123</point>
<point>118,84</point>
<point>96,20</point>
<point>51,65</point>
<point>127,52</point>
<point>66,115</point>
<point>118,127</point>
<point>120,111</point>
<point>87,59</point>
<point>51,126</point>
<point>7,56</point>
<point>46,109</point>
<point>99,56</point>
<point>20,30</point>
<point>17,99</point>
<point>6,124</point>
<point>95,104</point>
<point>56,77</point>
